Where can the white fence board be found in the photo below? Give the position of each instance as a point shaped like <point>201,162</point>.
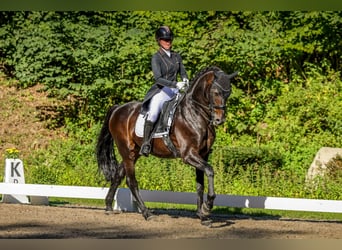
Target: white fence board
<point>53,190</point>
<point>123,196</point>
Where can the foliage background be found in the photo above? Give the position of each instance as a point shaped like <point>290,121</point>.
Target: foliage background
<point>286,102</point>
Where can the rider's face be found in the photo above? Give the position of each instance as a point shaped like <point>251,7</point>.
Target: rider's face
<point>166,44</point>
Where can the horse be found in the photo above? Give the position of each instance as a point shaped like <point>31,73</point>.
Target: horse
<point>192,133</point>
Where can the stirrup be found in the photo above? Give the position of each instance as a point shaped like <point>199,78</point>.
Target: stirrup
<point>145,149</point>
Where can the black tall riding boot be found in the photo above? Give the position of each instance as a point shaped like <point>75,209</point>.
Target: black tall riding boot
<point>146,146</point>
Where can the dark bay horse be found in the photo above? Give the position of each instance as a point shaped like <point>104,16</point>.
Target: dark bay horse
<point>193,133</point>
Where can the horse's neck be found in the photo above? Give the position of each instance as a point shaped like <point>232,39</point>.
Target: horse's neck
<point>197,96</point>
<point>196,101</point>
<point>195,108</point>
<point>197,117</point>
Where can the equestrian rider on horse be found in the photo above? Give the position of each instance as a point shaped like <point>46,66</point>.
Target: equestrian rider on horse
<point>166,66</point>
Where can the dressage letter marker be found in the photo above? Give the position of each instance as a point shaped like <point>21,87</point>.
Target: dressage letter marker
<point>14,173</point>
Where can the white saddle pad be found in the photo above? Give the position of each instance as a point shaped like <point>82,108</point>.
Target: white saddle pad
<point>139,128</point>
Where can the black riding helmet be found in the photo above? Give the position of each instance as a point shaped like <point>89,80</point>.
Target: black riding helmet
<point>164,32</point>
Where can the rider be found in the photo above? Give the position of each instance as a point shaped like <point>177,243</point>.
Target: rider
<point>166,65</point>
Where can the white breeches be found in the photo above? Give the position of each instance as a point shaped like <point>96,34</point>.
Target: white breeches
<point>157,101</point>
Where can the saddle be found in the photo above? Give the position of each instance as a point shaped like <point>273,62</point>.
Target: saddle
<point>163,124</point>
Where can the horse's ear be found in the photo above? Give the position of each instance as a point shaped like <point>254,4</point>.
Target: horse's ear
<point>210,77</point>
<point>233,74</point>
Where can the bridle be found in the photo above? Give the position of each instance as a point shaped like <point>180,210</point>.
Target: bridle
<point>211,105</point>
<point>209,110</point>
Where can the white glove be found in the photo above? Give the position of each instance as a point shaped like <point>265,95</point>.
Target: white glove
<point>180,85</point>
<point>186,81</point>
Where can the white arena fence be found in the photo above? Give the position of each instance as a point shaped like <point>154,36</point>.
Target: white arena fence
<point>125,202</point>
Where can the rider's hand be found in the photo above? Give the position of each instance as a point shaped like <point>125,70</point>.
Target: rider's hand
<point>180,85</point>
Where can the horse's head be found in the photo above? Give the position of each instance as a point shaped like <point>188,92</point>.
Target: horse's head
<point>216,89</point>
<point>220,90</point>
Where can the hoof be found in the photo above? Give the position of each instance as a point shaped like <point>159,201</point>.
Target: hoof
<point>111,211</point>
<point>115,212</point>
<point>151,217</point>
<point>148,215</point>
<point>207,223</point>
<point>205,210</point>
<point>202,216</point>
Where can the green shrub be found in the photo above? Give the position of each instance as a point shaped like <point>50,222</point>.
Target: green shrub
<point>68,161</point>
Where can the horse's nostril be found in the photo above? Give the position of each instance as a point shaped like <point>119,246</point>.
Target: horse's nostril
<point>217,122</point>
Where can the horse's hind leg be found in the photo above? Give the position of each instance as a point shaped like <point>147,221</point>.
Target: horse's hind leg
<point>132,183</point>
<point>115,182</point>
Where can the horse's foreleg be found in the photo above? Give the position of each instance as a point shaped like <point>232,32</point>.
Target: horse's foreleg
<point>201,165</point>
<point>200,190</point>
<point>207,206</point>
<point>115,182</point>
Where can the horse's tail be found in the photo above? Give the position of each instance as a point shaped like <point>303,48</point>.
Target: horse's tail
<point>105,155</point>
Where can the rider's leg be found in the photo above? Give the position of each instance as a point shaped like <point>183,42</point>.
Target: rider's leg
<point>155,107</point>
<point>146,146</point>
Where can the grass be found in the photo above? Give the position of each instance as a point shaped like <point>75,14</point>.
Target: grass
<point>55,201</point>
